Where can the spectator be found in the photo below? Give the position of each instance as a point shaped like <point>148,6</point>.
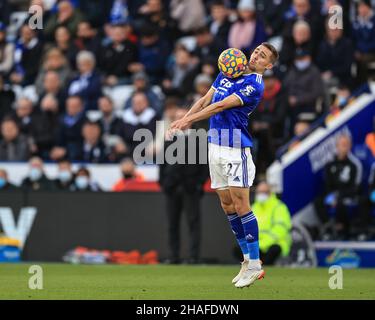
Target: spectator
<point>87,84</point>
<point>189,15</point>
<point>301,40</point>
<point>5,11</point>
<point>153,12</point>
<point>364,38</point>
<point>112,128</point>
<point>267,125</point>
<point>6,52</point>
<point>97,11</point>
<point>141,83</point>
<point>83,181</point>
<point>180,74</point>
<point>14,146</point>
<point>272,13</point>
<point>341,100</point>
<point>117,60</point>
<point>54,61</point>
<point>66,16</point>
<point>182,185</point>
<point>64,176</point>
<point>119,11</point>
<point>139,116</point>
<point>36,179</point>
<point>49,112</point>
<point>301,129</point>
<point>27,55</point>
<point>274,224</point>
<point>342,178</point>
<point>202,83</point>
<point>64,42</point>
<point>248,32</point>
<point>23,109</point>
<point>219,25</point>
<point>109,122</point>
<point>170,108</point>
<point>304,88</point>
<point>153,53</point>
<point>7,97</point>
<point>69,133</point>
<point>87,37</point>
<point>302,10</point>
<point>335,58</point>
<point>92,148</point>
<point>206,44</point>
<point>129,174</point>
<point>5,185</point>
<point>52,86</point>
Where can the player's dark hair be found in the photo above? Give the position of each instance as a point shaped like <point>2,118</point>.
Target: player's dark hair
<point>275,54</point>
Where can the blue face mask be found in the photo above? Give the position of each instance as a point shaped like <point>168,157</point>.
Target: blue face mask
<point>302,64</point>
<point>65,176</point>
<point>35,174</point>
<point>342,101</point>
<point>3,182</point>
<point>82,182</point>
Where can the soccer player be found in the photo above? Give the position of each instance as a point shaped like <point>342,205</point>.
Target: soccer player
<point>228,104</point>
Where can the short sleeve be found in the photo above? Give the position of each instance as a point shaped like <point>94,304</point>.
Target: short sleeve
<point>216,83</point>
<point>248,92</point>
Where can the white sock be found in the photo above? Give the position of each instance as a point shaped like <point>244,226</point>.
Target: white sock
<point>255,264</point>
<point>246,257</point>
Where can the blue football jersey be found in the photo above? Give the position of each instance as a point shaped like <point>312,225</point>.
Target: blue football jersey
<point>230,127</point>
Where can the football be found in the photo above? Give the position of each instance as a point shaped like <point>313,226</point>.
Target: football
<point>232,62</point>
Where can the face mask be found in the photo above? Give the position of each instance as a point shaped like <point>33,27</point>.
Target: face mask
<point>35,174</point>
<point>262,197</point>
<point>82,182</point>
<point>302,65</point>
<point>65,176</point>
<point>342,101</point>
<point>3,182</point>
<point>127,175</point>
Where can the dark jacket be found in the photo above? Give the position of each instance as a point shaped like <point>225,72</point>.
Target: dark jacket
<point>69,135</point>
<point>93,154</point>
<point>43,184</point>
<point>189,177</point>
<point>364,35</point>
<point>337,58</point>
<point>89,89</point>
<point>343,177</point>
<point>116,61</point>
<point>16,150</point>
<point>306,85</point>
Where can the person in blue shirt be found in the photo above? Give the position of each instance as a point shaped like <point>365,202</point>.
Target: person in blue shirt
<point>228,104</point>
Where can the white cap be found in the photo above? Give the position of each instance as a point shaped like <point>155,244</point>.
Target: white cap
<point>246,5</point>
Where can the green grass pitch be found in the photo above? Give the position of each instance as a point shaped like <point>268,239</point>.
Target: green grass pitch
<point>63,281</point>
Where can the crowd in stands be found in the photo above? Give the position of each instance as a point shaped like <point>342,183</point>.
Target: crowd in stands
<point>78,88</point>
<point>58,97</point>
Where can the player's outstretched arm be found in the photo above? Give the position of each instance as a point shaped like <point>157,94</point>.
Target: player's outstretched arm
<point>229,102</point>
<point>201,103</point>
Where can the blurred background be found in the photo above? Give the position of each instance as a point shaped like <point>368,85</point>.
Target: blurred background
<point>74,91</point>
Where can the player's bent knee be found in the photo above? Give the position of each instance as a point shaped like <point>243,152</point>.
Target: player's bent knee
<point>228,207</point>
<point>242,208</point>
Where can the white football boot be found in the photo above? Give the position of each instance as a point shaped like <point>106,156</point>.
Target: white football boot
<point>250,275</point>
<point>244,267</point>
